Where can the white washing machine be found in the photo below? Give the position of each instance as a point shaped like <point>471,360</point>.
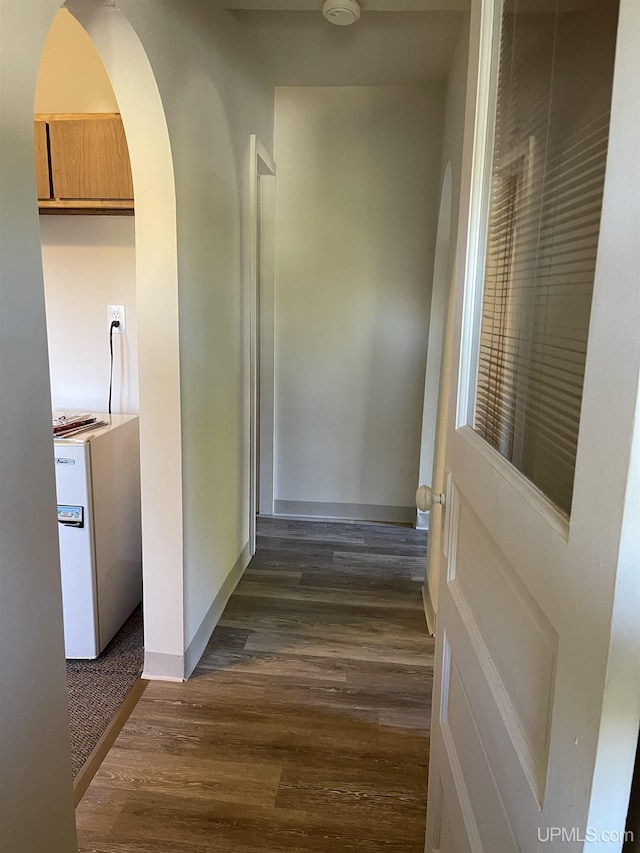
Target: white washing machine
<point>98,494</point>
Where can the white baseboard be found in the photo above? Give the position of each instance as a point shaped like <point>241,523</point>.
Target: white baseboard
<point>429,612</point>
<point>347,511</point>
<point>159,666</point>
<point>202,636</point>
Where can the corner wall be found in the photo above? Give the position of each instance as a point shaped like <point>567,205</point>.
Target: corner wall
<point>88,263</point>
<point>356,213</point>
<point>214,96</point>
<point>36,803</point>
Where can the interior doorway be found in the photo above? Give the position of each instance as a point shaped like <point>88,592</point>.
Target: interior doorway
<point>94,265</point>
<point>87,232</point>
<point>262,179</point>
<point>433,431</point>
<point>138,98</point>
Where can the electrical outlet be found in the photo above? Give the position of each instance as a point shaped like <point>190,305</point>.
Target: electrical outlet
<point>116,312</point>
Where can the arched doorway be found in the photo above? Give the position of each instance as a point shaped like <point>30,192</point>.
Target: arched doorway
<point>136,91</point>
<point>35,728</point>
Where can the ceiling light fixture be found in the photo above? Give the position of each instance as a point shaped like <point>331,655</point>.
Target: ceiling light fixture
<point>341,12</point>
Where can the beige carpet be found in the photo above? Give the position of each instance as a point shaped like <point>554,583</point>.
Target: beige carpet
<point>98,687</point>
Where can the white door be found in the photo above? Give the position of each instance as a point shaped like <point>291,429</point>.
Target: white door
<point>433,414</point>
<point>536,698</point>
<point>261,320</point>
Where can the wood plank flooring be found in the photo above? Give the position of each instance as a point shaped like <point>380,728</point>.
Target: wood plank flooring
<point>305,726</point>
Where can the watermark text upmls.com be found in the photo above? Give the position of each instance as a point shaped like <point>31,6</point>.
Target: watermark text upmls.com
<point>573,834</point>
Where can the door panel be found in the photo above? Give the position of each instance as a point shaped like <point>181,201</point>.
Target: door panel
<point>446,840</point>
<point>512,632</point>
<point>537,691</point>
<point>491,819</point>
<point>453,828</point>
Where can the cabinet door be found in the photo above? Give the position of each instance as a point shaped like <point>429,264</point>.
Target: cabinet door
<point>90,158</point>
<point>42,159</point>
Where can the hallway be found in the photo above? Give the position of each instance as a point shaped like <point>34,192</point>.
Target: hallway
<point>304,727</point>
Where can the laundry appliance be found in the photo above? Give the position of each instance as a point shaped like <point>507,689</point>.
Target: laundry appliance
<point>98,495</point>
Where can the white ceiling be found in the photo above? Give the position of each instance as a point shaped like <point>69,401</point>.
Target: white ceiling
<point>384,48</point>
<point>367,5</point>
<point>529,6</point>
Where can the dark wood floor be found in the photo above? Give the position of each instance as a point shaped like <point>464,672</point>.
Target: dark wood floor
<point>305,726</point>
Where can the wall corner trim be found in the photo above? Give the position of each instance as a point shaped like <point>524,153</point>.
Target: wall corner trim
<point>202,636</point>
<point>161,666</point>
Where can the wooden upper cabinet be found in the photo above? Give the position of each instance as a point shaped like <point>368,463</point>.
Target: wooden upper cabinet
<point>43,181</point>
<point>89,158</point>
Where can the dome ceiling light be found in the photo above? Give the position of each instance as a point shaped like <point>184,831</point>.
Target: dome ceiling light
<point>341,12</point>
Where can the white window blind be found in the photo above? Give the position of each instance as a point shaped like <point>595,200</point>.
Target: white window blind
<point>552,122</point>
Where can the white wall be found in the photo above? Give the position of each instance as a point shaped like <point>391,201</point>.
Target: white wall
<point>72,78</point>
<point>88,261</point>
<point>453,134</point>
<point>214,97</point>
<point>357,201</point>
<point>36,803</point>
